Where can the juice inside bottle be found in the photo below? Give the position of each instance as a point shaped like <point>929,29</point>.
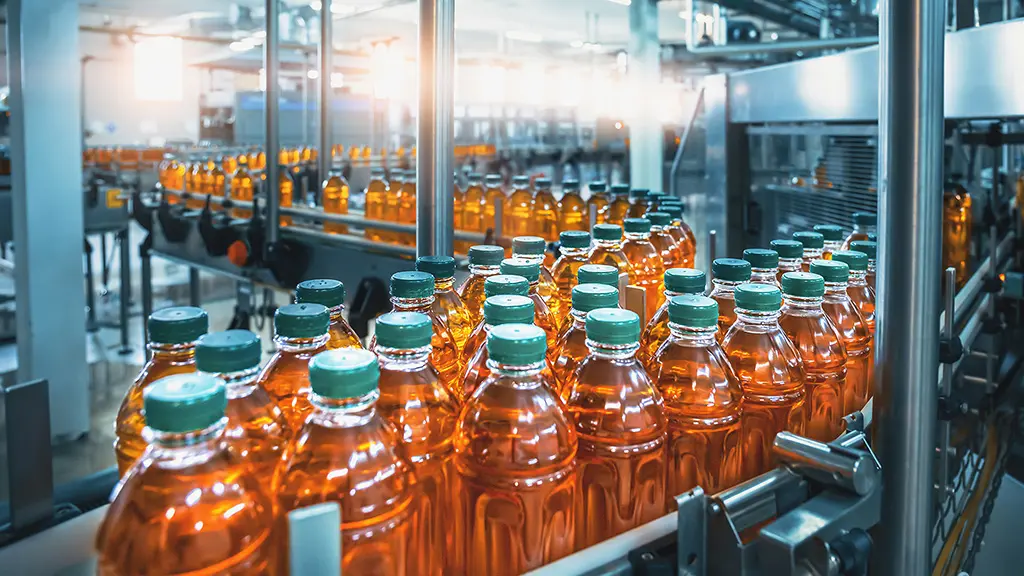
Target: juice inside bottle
<point>531,249</point>
<point>407,208</point>
<point>770,372</point>
<point>833,236</point>
<point>681,234</point>
<point>413,399</point>
<point>494,195</point>
<point>544,211</point>
<point>172,340</point>
<point>498,310</point>
<point>654,199</point>
<point>670,252</point>
<point>518,219</point>
<point>821,349</point>
<point>572,210</point>
<point>188,505</point>
<point>864,223</point>
<point>813,244</point>
<point>178,169</point>
<point>331,294</point>
<point>458,208</point>
<point>728,274</point>
<point>618,210</point>
<point>608,251</point>
<point>702,399</point>
<point>285,192</point>
<point>791,257</point>
<point>241,189</point>
<point>376,198</point>
<point>300,332</point>
<point>764,266</point>
<point>853,330</point>
<point>213,184</point>
<point>575,249</point>
<point>597,203</point>
<point>228,163</point>
<point>637,203</point>
<point>472,210</point>
<point>869,248</point>
<point>334,193</point>
<point>448,306</point>
<point>571,347</point>
<point>542,314</point>
<point>391,200</point>
<point>648,268</point>
<point>347,452</point>
<point>256,430</point>
<point>620,421</point>
<point>496,285</point>
<point>484,262</point>
<point>678,282</point>
<point>194,183</point>
<point>957,221</point>
<point>514,493</point>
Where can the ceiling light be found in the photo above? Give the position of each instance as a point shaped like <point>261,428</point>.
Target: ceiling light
<point>576,44</point>
<point>621,2</point>
<point>524,36</point>
<point>312,74</point>
<point>240,46</point>
<point>316,5</point>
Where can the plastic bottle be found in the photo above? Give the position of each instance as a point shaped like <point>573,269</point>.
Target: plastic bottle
<point>484,262</point>
<point>598,274</point>
<point>728,274</point>
<point>608,251</point>
<point>330,293</point>
<point>571,346</point>
<point>518,219</point>
<point>813,243</point>
<point>407,208</point>
<point>637,203</point>
<point>300,332</point>
<point>678,282</point>
<point>833,236</point>
<point>648,268</point>
<point>531,249</point>
<point>671,253</point>
<point>654,198</point>
<point>472,210</point>
<point>702,399</point>
<point>187,506</point>
<point>346,452</point>
<point>542,314</point>
<point>575,249</point>
<point>334,193</point>
<point>957,222</point>
<point>622,429</point>
<point>496,285</point>
<point>194,183</point>
<point>376,198</point>
<point>681,234</point>
<point>257,430</point>
<point>572,210</point>
<point>172,340</point>
<point>870,248</point>
<point>391,201</point>
<point>597,203</point>
<point>853,330</point>
<point>458,207</point>
<point>515,456</point>
<point>494,195</point>
<point>178,170</point>
<point>618,210</point>
<point>770,372</point>
<point>498,310</point>
<point>213,184</point>
<point>413,399</point>
<point>821,349</point>
<point>285,192</point>
<point>764,266</point>
<point>791,256</point>
<point>447,306</point>
<point>864,223</point>
<point>544,211</point>
<point>242,189</point>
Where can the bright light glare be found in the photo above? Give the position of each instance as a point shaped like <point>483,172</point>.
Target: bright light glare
<point>312,74</point>
<point>158,69</point>
<point>337,79</point>
<point>240,46</point>
<point>621,2</point>
<point>316,5</point>
<point>386,65</point>
<point>524,36</point>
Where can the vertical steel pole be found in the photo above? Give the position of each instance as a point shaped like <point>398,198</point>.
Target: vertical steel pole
<point>435,159</point>
<point>326,52</point>
<point>271,66</point>
<point>910,168</point>
<point>646,148</point>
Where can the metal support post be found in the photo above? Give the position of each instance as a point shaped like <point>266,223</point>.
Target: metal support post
<point>272,146</point>
<point>125,296</point>
<point>193,287</point>
<point>326,54</point>
<point>30,473</point>
<point>435,129</point>
<point>949,306</point>
<point>646,155</point>
<point>90,290</point>
<point>910,171</point>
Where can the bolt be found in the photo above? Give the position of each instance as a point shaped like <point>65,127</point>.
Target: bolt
<point>715,508</point>
<point>647,556</point>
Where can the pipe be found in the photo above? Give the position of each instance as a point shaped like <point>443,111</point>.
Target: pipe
<point>272,147</point>
<point>910,171</point>
<point>678,159</point>
<point>780,14</point>
<point>326,54</point>
<point>776,47</point>
<point>435,129</point>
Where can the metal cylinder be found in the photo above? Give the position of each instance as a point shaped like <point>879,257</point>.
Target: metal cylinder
<point>326,53</point>
<point>754,501</point>
<point>435,160</point>
<point>272,146</point>
<point>910,210</point>
<point>845,468</point>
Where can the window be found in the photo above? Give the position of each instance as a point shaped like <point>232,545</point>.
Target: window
<point>158,69</point>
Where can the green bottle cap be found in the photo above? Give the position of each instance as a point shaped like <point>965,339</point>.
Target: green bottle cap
<point>831,270</point>
<point>761,258</point>
<point>685,280</point>
<point>377,171</point>
<point>184,403</point>
<point>344,373</point>
<point>864,219</point>
<point>228,351</point>
<point>868,247</point>
<point>330,293</point>
<point>404,330</point>
<point>574,239</point>
<point>659,218</point>
<point>571,185</point>
<point>301,320</point>
<point>516,344</point>
<point>831,232</point>
<point>440,267</point>
<point>803,285</point>
<point>520,181</point>
<point>486,255</point>
<point>506,284</point>
<point>611,232</point>
<point>788,248</point>
<point>613,326</point>
<point>598,274</point>
<point>542,183</point>
<point>674,211</point>
<point>587,297</point>
<point>810,239</point>
<point>638,193</point>
<point>758,297</point>
<point>693,311</point>
<point>598,186</point>
<point>518,267</point>
<point>731,269</point>
<point>637,225</point>
<point>620,189</point>
<point>412,285</point>
<point>493,179</point>
<point>855,260</point>
<point>475,177</point>
<point>177,325</point>
<point>670,201</point>
<point>872,237</point>
<point>528,246</point>
<point>656,195</point>
<point>508,309</point>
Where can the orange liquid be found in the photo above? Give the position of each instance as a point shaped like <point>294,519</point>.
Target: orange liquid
<point>722,293</point>
<point>286,378</point>
<point>637,208</point>
<point>472,215</point>
<point>285,193</point>
<point>450,309</point>
<point>856,338</point>
<point>957,221</point>
<point>472,292</point>
<point>564,273</point>
<point>213,185</point>
<point>334,198</point>
<point>611,254</point>
<point>518,219</point>
<point>407,211</point>
<point>821,349</point>
<point>617,210</point>
<point>656,332</point>
<point>853,237</point>
<point>444,357</point>
<point>620,422</point>
<point>570,350</point>
<point>543,319</point>
<point>671,254</point>
<point>544,215</point>
<point>475,370</point>
<point>194,184</point>
<point>241,189</point>
<point>257,430</point>
<point>494,195</point>
<point>648,270</point>
<point>572,212</point>
<point>376,198</point>
<point>340,334</point>
<point>597,203</point>
<point>685,248</point>
<point>391,201</point>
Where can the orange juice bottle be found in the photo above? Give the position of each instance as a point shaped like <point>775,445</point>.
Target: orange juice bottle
<point>654,198</point>
<point>571,347</point>
<point>331,294</point>
<point>598,274</point>
<point>542,314</point>
<point>285,192</point>
<point>496,285</point>
<point>376,199</point>
<point>241,189</point>
<point>448,305</point>
<point>728,274</point>
<point>347,452</point>
<point>957,221</point>
<point>498,310</point>
<point>494,195</point>
<point>518,219</point>
<point>608,251</point>
<point>213,184</point>
<point>620,421</point>
<point>574,252</point>
<point>194,183</point>
<point>531,249</point>
<point>178,169</point>
<point>671,253</point>
<point>833,236</point>
<point>472,210</point>
<point>862,295</point>
<point>514,445</point>
<point>791,256</point>
<point>334,193</point>
<point>172,340</point>
<point>702,398</point>
<point>300,332</point>
<point>458,209</point>
<point>228,163</point>
<point>637,202</point>
<point>572,210</point>
<point>188,505</point>
<point>597,203</point>
<point>544,211</point>
<point>484,262</point>
<point>681,234</point>
<point>257,430</point>
<point>391,201</point>
<point>869,248</point>
<point>853,330</point>
<point>770,372</point>
<point>648,267</point>
<point>864,223</point>
<point>413,399</point>
<point>821,348</point>
<point>618,210</point>
<point>764,266</point>
<point>407,208</point>
<point>677,282</point>
<point>813,244</point>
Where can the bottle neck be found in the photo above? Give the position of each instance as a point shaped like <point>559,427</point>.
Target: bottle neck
<point>619,352</point>
<point>516,371</point>
<point>835,290</point>
<point>763,274</point>
<point>531,258</point>
<point>757,317</point>
<point>638,236</point>
<point>789,264</point>
<point>812,253</point>
<point>238,384</point>
<point>404,359</point>
<point>173,352</point>
<point>608,244</point>
<point>413,304</point>
<point>871,266</point>
<point>832,245</point>
<point>337,312</point>
<point>300,344</point>
<point>802,304</point>
<point>444,284</point>
<point>182,449</point>
<point>480,270</point>
<point>869,229</point>
<point>343,412</point>
<point>657,229</point>
<point>724,286</point>
<point>575,253</point>
<point>858,277</point>
<point>692,336</point>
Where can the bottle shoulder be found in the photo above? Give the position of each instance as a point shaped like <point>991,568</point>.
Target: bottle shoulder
<point>615,402</point>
